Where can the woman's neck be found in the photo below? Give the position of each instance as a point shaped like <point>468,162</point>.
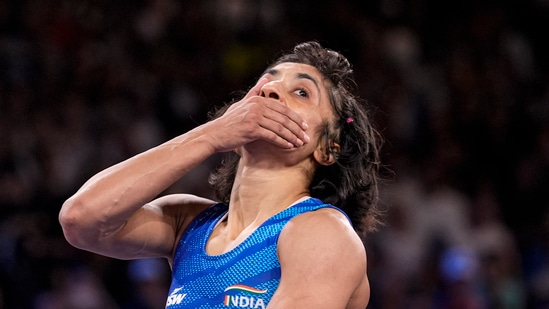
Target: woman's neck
<point>258,194</point>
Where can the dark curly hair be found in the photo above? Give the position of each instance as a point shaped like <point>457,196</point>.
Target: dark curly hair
<point>351,183</point>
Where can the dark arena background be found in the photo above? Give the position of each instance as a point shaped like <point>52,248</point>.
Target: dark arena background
<point>459,89</point>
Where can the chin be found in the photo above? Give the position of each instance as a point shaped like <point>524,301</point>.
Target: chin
<point>263,146</point>
<point>267,151</point>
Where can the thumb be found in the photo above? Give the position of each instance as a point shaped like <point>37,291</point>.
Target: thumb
<point>256,90</point>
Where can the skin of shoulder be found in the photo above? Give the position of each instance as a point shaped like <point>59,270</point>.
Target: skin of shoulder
<point>181,209</point>
<point>323,263</point>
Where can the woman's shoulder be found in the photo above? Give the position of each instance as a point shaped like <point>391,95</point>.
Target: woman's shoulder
<point>182,208</point>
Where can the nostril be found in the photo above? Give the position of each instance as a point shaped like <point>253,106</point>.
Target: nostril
<point>273,95</point>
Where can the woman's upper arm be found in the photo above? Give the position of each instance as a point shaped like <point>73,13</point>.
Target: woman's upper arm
<point>323,263</point>
<point>152,231</point>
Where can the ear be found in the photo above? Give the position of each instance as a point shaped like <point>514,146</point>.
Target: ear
<point>329,158</point>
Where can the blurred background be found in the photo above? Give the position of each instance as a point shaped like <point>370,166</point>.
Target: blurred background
<point>459,89</point>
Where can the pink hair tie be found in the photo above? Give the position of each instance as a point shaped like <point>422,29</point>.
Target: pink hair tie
<point>349,120</point>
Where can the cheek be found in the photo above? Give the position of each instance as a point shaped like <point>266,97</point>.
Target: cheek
<point>314,144</point>
<point>314,119</point>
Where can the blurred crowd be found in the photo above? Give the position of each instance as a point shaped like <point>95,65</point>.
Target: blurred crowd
<point>459,89</point>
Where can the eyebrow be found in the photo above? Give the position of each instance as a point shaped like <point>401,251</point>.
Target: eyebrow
<point>274,72</point>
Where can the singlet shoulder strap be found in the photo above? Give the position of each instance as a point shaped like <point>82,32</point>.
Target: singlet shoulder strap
<point>307,205</point>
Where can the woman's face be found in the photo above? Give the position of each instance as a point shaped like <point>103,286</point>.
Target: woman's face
<point>303,89</point>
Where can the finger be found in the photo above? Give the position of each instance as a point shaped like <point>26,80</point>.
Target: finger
<point>286,122</point>
<point>288,112</point>
<point>256,90</point>
<point>282,132</point>
<point>277,140</point>
<point>258,121</point>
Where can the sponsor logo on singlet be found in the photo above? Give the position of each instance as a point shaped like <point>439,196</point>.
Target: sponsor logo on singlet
<point>175,298</point>
<point>243,296</point>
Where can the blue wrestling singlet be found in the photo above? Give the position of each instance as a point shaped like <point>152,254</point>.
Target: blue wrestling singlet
<point>245,277</point>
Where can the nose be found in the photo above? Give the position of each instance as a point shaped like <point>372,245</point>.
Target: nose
<point>270,90</point>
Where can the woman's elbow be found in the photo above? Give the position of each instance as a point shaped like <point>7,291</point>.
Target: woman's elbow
<point>73,223</point>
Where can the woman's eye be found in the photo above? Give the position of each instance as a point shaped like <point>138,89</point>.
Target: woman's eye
<point>302,93</point>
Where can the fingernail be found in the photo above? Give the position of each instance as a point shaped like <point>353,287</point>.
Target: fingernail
<point>306,137</point>
<point>299,142</point>
<point>304,125</point>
